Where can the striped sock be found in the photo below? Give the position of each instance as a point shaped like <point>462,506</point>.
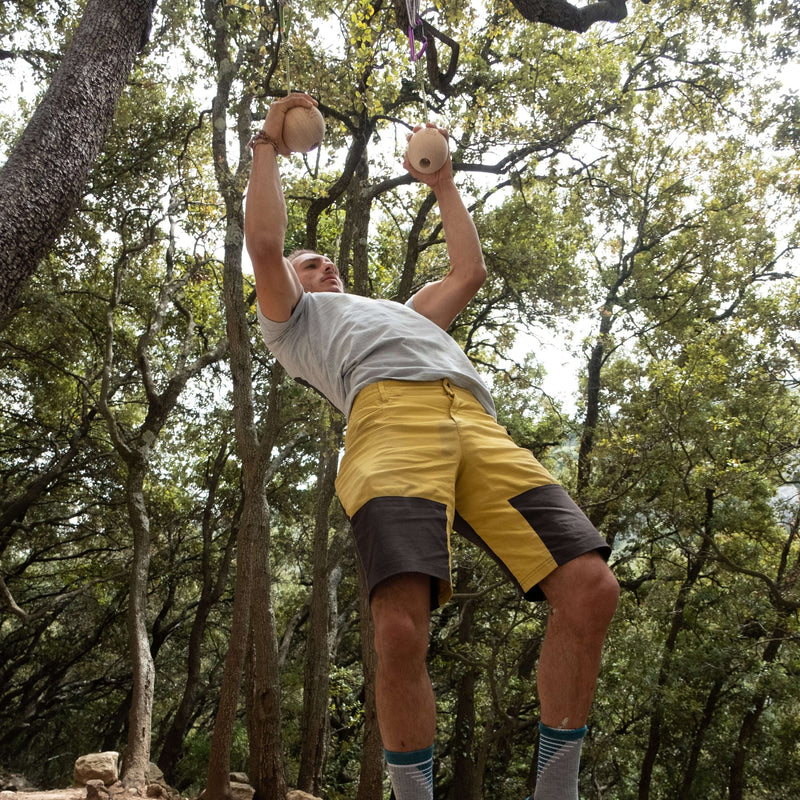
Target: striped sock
<point>559,760</point>
<point>411,773</point>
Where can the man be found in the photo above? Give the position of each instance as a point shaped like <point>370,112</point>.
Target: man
<point>424,454</point>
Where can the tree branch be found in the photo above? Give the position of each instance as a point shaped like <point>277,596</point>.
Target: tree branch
<point>5,593</point>
<point>561,14</point>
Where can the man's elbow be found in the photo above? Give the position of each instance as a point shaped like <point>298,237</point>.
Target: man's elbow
<point>262,248</point>
<point>470,277</point>
<point>478,275</point>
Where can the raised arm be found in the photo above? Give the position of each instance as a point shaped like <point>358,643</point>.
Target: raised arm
<point>443,299</point>
<point>265,220</point>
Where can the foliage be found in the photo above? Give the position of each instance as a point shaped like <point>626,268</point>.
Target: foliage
<point>636,194</point>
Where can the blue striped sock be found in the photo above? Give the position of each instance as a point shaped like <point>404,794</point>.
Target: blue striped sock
<point>559,761</point>
<point>411,773</point>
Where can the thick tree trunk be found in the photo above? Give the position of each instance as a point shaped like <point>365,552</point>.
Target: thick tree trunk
<point>252,606</point>
<point>250,609</point>
<point>214,582</point>
<point>135,449</point>
<point>592,415</point>
<point>749,726</point>
<point>219,758</point>
<point>137,753</point>
<point>264,709</point>
<point>708,718</point>
<point>561,14</point>
<point>42,181</point>
<point>316,683</point>
<point>370,786</point>
<point>695,569</point>
<point>466,784</point>
<point>353,250</point>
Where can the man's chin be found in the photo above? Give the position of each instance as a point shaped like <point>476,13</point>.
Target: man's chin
<point>327,286</point>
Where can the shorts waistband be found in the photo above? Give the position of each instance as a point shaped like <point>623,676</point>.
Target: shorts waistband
<point>384,390</point>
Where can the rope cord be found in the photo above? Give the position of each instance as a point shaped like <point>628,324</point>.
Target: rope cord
<point>416,32</point>
<point>283,39</point>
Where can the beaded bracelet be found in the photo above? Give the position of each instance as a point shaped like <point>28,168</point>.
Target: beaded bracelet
<point>260,136</point>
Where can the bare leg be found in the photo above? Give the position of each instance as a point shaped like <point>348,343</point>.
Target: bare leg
<point>582,596</point>
<point>403,692</point>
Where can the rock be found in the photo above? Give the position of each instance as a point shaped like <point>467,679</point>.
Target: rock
<point>73,793</point>
<point>242,791</point>
<point>15,783</point>
<point>97,766</point>
<point>96,790</point>
<point>157,785</point>
<point>238,777</point>
<point>296,794</point>
<point>154,774</point>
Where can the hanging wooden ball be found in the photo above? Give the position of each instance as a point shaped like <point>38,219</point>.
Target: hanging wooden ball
<point>303,129</point>
<point>427,150</point>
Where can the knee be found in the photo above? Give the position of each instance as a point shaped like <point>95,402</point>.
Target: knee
<point>401,615</point>
<point>584,590</point>
<point>400,639</point>
<point>603,595</point>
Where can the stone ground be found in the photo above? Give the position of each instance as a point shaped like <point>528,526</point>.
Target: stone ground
<point>113,792</point>
<point>74,793</point>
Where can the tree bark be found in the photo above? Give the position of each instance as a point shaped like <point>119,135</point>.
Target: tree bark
<point>252,609</point>
<point>219,761</point>
<point>698,740</point>
<point>556,13</point>
<point>137,753</point>
<point>787,578</point>
<point>561,14</point>
<point>353,251</point>
<point>370,786</point>
<point>213,584</point>
<point>43,178</point>
<point>749,726</point>
<point>252,561</point>
<point>695,569</point>
<point>264,709</point>
<point>135,449</point>
<point>592,414</point>
<point>316,683</point>
<point>466,785</point>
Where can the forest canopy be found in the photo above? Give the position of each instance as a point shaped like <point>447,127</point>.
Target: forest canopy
<point>171,550</point>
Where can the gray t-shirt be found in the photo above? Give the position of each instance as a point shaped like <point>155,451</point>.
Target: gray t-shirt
<point>340,343</point>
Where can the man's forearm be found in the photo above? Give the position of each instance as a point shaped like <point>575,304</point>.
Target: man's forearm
<point>442,300</point>
<point>266,220</point>
<point>461,235</point>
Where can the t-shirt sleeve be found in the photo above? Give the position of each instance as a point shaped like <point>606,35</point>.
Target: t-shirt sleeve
<point>273,331</point>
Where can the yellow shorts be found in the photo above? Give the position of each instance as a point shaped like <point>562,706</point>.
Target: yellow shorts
<point>424,458</point>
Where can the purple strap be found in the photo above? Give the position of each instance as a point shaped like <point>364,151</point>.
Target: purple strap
<point>418,23</point>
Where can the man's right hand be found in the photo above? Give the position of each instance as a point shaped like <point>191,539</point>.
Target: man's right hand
<point>273,124</point>
<point>266,220</point>
<point>430,179</point>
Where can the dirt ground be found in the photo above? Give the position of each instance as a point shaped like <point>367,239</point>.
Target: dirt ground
<point>114,792</point>
<point>74,793</point>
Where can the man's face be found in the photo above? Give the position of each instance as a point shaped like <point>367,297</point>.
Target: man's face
<point>317,273</point>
